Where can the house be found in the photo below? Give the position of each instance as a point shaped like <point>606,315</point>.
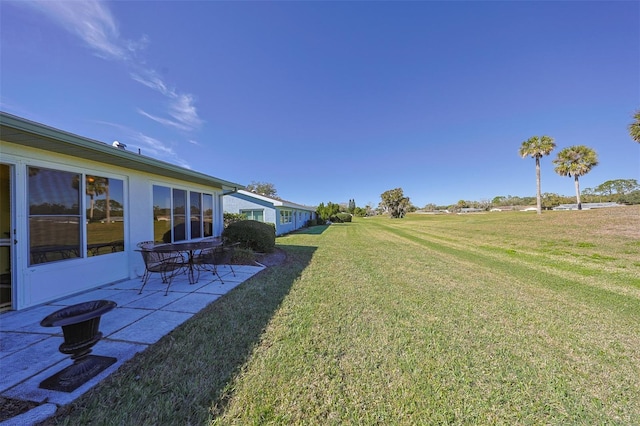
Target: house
<point>72,210</point>
<point>471,210</point>
<point>587,206</point>
<point>285,215</point>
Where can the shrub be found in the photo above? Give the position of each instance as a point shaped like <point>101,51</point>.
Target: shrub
<point>251,234</point>
<point>341,217</point>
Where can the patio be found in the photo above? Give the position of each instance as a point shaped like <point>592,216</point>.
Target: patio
<point>29,352</point>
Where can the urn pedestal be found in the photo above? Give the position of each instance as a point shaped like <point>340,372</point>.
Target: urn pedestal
<point>80,325</point>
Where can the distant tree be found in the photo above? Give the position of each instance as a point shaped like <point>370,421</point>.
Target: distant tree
<point>230,218</point>
<point>617,187</point>
<point>325,212</point>
<point>499,200</point>
<point>634,128</point>
<point>630,198</point>
<point>395,203</point>
<point>537,147</point>
<point>576,161</point>
<point>360,212</point>
<point>550,200</point>
<point>430,207</point>
<point>462,204</point>
<point>352,206</point>
<point>263,188</point>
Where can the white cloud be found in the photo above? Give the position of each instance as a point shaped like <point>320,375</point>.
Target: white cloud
<point>93,22</point>
<point>183,110</point>
<point>150,79</point>
<point>89,20</point>
<point>147,145</point>
<point>164,121</point>
<point>160,148</point>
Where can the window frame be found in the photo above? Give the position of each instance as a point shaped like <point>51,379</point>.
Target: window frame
<point>204,198</point>
<point>54,251</point>
<point>253,211</point>
<point>285,216</point>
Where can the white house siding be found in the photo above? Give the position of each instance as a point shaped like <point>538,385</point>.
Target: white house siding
<point>243,200</point>
<point>234,203</point>
<point>40,283</point>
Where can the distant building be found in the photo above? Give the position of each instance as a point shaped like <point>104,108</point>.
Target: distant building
<point>285,215</point>
<point>471,210</point>
<point>586,206</point>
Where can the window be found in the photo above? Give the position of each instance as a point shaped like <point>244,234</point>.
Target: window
<point>195,199</point>
<point>207,209</point>
<point>253,214</point>
<point>169,214</point>
<point>285,216</point>
<point>161,213</point>
<point>104,204</point>
<point>57,224</point>
<point>179,214</point>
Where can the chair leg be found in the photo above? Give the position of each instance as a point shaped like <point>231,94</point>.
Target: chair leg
<point>144,281</point>
<point>168,285</point>
<point>215,271</point>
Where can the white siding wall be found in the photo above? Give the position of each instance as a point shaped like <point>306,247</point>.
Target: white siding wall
<point>234,203</point>
<point>44,282</point>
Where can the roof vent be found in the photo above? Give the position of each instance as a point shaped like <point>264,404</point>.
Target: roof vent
<point>119,145</point>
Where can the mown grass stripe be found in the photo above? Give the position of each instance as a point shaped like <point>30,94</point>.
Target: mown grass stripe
<point>509,267</point>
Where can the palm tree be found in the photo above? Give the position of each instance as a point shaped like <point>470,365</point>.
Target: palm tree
<point>537,147</point>
<point>96,186</point>
<point>634,128</point>
<point>577,160</point>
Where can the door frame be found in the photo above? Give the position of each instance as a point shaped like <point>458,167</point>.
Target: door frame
<point>11,239</point>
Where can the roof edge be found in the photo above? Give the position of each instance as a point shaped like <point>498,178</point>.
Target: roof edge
<point>45,137</point>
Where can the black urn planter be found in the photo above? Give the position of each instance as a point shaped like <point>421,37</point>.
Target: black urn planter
<point>80,325</point>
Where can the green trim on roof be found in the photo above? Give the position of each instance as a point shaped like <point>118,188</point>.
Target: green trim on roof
<point>28,133</point>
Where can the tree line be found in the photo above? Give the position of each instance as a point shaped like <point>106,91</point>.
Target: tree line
<point>573,161</point>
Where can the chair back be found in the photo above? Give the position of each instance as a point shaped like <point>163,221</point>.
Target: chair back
<point>145,244</point>
<point>160,262</point>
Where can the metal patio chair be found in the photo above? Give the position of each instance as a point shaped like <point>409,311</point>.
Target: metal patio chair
<point>168,265</point>
<point>210,259</point>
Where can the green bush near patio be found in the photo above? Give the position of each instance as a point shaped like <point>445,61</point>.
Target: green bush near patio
<point>251,234</point>
<point>500,318</point>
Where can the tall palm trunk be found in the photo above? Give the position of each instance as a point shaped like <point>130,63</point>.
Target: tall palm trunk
<point>108,202</point>
<point>538,196</point>
<point>91,203</point>
<point>575,177</point>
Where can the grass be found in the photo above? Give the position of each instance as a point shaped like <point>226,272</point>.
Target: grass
<point>502,318</point>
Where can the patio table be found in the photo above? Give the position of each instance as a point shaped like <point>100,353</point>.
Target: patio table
<point>189,248</point>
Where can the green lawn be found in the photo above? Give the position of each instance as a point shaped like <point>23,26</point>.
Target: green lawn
<point>500,318</point>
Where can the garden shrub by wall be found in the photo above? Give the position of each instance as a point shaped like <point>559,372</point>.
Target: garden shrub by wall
<point>257,236</point>
<point>341,217</point>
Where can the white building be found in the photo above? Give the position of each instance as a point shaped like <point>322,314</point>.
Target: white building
<point>72,210</point>
<point>285,215</point>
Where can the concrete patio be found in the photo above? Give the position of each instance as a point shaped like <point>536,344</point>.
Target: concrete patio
<point>29,352</point>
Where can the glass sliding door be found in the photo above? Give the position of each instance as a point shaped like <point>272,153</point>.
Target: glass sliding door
<point>196,214</point>
<point>54,215</point>
<point>207,210</point>
<point>6,237</point>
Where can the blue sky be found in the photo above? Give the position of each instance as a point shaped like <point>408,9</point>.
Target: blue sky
<point>337,100</point>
